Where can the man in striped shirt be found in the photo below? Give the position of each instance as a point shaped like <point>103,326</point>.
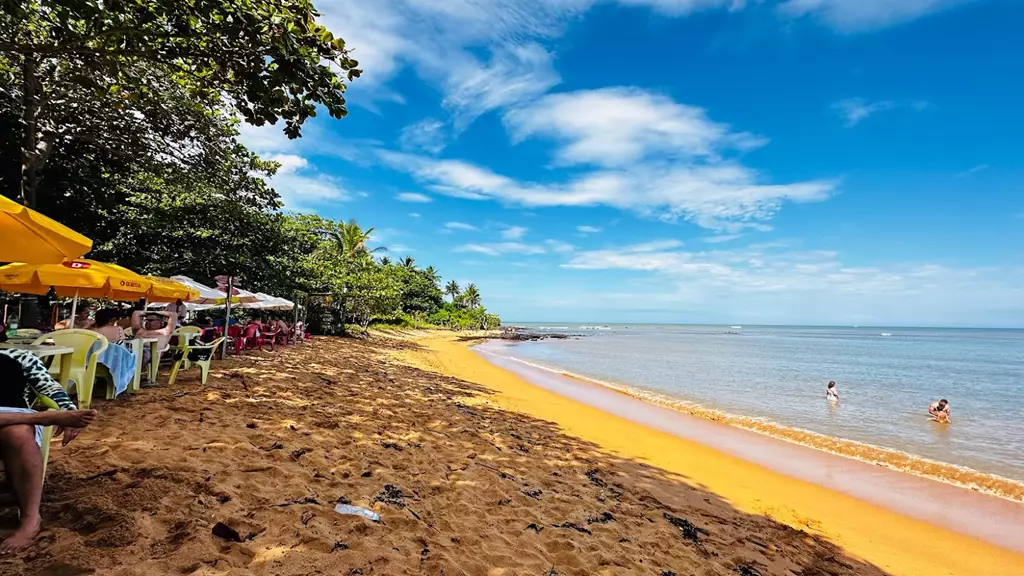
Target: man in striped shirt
<point>24,378</point>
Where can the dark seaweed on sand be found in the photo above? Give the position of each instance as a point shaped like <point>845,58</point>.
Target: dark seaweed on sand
<point>689,531</point>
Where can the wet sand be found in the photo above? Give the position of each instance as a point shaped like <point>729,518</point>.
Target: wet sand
<point>980,516</point>
<point>885,525</point>
<point>473,470</point>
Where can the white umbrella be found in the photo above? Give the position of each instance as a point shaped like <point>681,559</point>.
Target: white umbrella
<point>268,302</point>
<point>207,295</point>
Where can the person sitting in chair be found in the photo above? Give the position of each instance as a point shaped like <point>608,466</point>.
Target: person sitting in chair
<point>23,378</point>
<point>151,324</point>
<point>106,324</point>
<point>82,321</point>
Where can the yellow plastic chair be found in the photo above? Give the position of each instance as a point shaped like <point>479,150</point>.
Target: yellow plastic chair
<point>185,335</point>
<point>83,364</point>
<point>42,402</point>
<point>200,355</point>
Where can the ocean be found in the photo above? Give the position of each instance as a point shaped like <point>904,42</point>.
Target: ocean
<point>772,379</point>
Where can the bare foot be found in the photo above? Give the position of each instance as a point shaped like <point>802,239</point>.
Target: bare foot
<point>22,537</point>
<point>70,418</point>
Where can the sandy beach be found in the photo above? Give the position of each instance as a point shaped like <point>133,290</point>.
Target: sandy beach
<point>472,469</point>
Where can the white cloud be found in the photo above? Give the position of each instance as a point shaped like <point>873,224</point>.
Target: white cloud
<point>649,154</point>
<point>812,285</point>
<point>559,246</point>
<point>500,248</point>
<point>460,226</point>
<point>973,170</point>
<point>615,127</point>
<point>720,238</point>
<point>514,75</point>
<point>514,232</point>
<point>486,54</point>
<point>302,191</point>
<point>399,249</point>
<point>854,110</point>
<point>411,215</point>
<point>427,135</point>
<point>588,229</point>
<point>414,197</point>
<point>289,162</point>
<point>722,196</point>
<point>861,15</point>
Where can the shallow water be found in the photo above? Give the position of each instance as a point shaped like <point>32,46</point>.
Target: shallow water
<point>777,376</point>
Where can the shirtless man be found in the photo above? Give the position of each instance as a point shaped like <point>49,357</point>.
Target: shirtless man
<point>151,324</point>
<point>940,411</point>
<point>23,378</point>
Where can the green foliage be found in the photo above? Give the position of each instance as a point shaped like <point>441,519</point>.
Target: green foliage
<point>325,256</point>
<point>120,118</point>
<point>263,59</point>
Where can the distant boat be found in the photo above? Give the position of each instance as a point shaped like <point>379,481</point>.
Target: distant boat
<point>886,334</point>
<point>736,327</point>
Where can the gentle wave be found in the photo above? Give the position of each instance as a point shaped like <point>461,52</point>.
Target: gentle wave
<point>898,460</point>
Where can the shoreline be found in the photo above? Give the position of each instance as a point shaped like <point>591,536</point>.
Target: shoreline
<point>897,460</point>
<point>896,542</point>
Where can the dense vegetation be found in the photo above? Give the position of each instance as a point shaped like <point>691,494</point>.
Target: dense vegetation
<point>120,118</point>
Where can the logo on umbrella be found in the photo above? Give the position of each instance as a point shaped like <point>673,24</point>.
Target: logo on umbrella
<point>130,284</point>
<point>76,265</point>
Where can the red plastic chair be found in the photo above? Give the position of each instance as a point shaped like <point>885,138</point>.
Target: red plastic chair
<point>268,339</point>
<point>239,339</point>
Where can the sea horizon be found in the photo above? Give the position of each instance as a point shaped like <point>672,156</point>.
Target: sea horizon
<point>581,324</point>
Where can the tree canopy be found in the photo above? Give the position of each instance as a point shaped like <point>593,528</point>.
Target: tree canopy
<point>120,118</point>
<point>264,60</point>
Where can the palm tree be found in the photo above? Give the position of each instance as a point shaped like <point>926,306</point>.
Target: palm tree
<point>350,240</point>
<point>385,261</point>
<point>471,297</point>
<point>431,273</point>
<point>409,263</point>
<point>452,289</point>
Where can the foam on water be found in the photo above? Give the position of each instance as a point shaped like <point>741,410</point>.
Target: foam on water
<point>872,452</point>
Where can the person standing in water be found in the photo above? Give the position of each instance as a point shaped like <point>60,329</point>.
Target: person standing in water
<point>940,411</point>
<point>832,394</point>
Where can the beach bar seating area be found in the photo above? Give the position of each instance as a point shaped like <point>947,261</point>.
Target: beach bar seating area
<point>107,324</point>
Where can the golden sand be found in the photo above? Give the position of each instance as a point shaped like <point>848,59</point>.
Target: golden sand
<point>898,545</point>
<point>473,471</point>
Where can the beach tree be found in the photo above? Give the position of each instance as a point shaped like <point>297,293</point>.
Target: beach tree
<point>431,273</point>
<point>265,60</point>
<point>409,263</point>
<point>452,289</point>
<point>371,292</point>
<point>471,297</point>
<point>350,240</point>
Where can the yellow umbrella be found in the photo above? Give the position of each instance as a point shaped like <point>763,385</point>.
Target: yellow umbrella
<point>78,278</point>
<point>28,236</point>
<point>168,290</point>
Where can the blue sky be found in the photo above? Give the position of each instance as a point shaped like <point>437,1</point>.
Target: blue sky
<point>705,161</point>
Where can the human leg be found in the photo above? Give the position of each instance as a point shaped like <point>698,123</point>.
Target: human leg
<point>23,464</point>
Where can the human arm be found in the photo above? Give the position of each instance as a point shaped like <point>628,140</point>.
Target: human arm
<point>137,320</point>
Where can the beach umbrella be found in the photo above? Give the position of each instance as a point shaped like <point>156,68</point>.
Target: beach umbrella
<point>28,236</point>
<point>77,278</point>
<point>267,302</point>
<point>206,295</point>
<point>168,290</point>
